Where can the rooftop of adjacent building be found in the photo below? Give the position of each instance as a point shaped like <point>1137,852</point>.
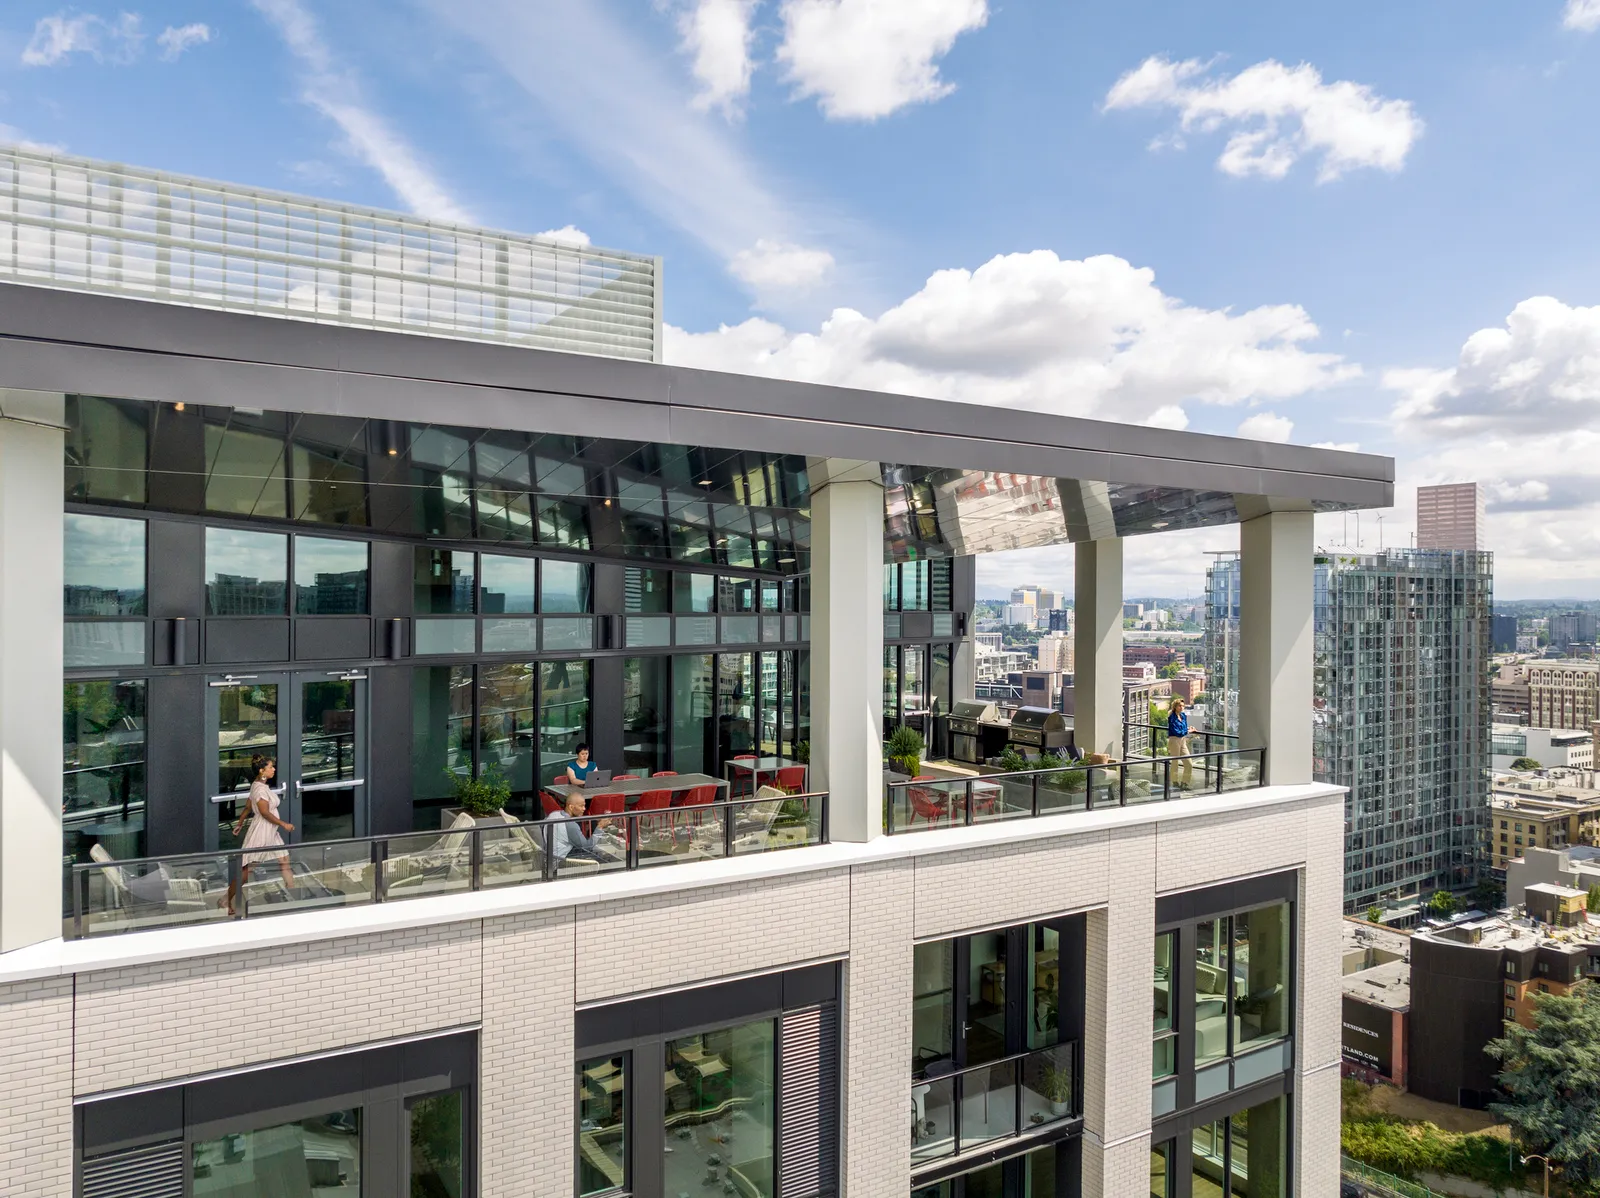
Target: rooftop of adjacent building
<point>1376,964</point>
<point>1518,932</point>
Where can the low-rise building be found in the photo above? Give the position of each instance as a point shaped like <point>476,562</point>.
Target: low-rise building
<point>1508,692</point>
<point>1376,981</point>
<point>1563,693</point>
<point>1539,812</point>
<point>1552,748</point>
<point>1577,868</point>
<point>1160,656</point>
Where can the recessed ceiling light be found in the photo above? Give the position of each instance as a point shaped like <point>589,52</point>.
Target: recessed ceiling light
<point>178,407</point>
<point>786,561</point>
<point>705,482</point>
<point>1161,524</point>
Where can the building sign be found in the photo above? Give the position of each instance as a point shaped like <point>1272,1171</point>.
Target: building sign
<point>1367,1035</point>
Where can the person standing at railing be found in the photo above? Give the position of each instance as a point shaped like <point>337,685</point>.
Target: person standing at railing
<point>266,828</point>
<point>1178,741</point>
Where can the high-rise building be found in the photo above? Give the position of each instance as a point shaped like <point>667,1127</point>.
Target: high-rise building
<point>1021,615</point>
<point>1572,627</point>
<point>1025,596</point>
<point>1060,619</point>
<point>1505,632</point>
<point>1563,694</point>
<point>1401,708</point>
<point>1450,517</point>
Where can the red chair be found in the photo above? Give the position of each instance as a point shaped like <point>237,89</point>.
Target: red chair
<point>550,802</point>
<point>603,805</point>
<point>625,778</point>
<point>755,781</point>
<point>665,774</point>
<point>792,779</point>
<point>700,796</point>
<point>927,804</point>
<point>652,800</point>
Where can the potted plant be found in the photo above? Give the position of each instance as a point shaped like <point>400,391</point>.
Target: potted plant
<point>904,750</point>
<point>1057,1086</point>
<point>483,797</point>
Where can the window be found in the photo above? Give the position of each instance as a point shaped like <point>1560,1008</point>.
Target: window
<point>1544,967</point>
<point>330,577</point>
<point>244,472</point>
<point>1511,991</point>
<point>103,768</point>
<point>646,682</point>
<point>437,1132</point>
<point>103,566</point>
<point>563,714</point>
<point>693,722</point>
<point>325,1148</point>
<point>444,581</point>
<point>328,486</point>
<point>108,444</point>
<point>506,723</point>
<point>508,584</point>
<point>1165,1056</point>
<point>563,587</point>
<point>602,1125</point>
<point>718,1085</point>
<point>247,573</point>
<point>694,593</point>
<point>441,736</point>
<point>1511,968</point>
<point>1511,1013</point>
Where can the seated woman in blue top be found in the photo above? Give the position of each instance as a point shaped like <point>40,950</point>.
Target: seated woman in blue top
<point>1178,742</point>
<point>578,772</point>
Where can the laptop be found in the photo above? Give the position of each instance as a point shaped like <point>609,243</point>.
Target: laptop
<point>597,777</point>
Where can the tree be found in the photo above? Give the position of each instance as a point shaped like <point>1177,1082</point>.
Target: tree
<point>1171,670</point>
<point>1374,913</point>
<point>1525,763</point>
<point>1592,903</point>
<point>1487,895</point>
<point>1442,902</point>
<point>1551,1076</point>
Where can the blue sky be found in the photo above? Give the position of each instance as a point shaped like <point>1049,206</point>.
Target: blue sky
<point>1357,224</point>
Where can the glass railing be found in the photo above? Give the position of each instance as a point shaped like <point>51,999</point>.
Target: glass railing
<point>112,897</point>
<point>1157,736</point>
<point>925,803</point>
<point>958,1110</point>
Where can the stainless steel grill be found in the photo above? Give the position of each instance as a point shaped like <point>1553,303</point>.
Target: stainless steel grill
<point>1040,729</point>
<point>967,719</point>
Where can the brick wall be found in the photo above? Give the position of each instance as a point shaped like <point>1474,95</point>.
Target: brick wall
<point>526,1056</point>
<point>152,1023</point>
<point>692,936</point>
<point>36,1089</point>
<point>1044,877</point>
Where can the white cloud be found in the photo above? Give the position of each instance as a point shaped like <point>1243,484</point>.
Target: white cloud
<point>1172,416</point>
<point>717,35</point>
<point>776,266</point>
<point>680,165</point>
<point>1519,412</point>
<point>55,38</point>
<point>1276,115</point>
<point>1582,15</point>
<point>1085,338</point>
<point>567,234</point>
<point>1342,446</point>
<point>1267,426</point>
<point>10,135</point>
<point>333,90</point>
<point>175,39</point>
<point>864,59</point>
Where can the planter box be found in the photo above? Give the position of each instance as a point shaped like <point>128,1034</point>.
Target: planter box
<point>448,817</point>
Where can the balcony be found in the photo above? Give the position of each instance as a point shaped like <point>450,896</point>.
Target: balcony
<point>963,1110</point>
<point>108,898</point>
<point>923,804</point>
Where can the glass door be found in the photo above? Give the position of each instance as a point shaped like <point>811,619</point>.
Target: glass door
<point>314,725</point>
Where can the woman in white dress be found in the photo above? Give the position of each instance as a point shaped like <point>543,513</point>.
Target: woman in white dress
<point>266,828</point>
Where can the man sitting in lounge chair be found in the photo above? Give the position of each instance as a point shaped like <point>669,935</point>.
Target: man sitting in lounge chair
<point>566,834</point>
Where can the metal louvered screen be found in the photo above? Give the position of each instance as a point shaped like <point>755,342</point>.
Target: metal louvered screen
<point>153,1172</point>
<point>82,225</point>
<point>808,1123</point>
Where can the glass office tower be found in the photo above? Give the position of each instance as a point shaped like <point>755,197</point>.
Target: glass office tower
<point>1400,708</point>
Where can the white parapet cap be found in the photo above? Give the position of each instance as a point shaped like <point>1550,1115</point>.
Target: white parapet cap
<point>82,225</point>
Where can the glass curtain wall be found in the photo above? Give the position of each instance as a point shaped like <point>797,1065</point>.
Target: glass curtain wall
<point>103,768</point>
<point>646,699</point>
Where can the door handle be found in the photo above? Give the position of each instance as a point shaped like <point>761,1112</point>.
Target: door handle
<point>233,796</point>
<point>303,787</point>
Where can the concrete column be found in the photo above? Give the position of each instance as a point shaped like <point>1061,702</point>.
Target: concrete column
<point>1275,626</point>
<point>32,452</point>
<point>1097,646</point>
<point>847,644</point>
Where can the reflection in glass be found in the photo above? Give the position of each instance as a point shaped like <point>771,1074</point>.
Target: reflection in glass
<point>445,635</point>
<point>694,592</point>
<point>317,1155</point>
<point>939,680</point>
<point>505,723</point>
<point>986,998</point>
<point>647,592</point>
<point>103,643</point>
<point>719,1111</point>
<point>932,1004</point>
<point>736,594</point>
<point>504,514</point>
<point>103,773</point>
<point>102,566</point>
<point>891,689</point>
<point>769,704</point>
<point>563,715</point>
<point>736,704</point>
<point>330,577</point>
<point>1044,957</point>
<point>328,754</point>
<point>564,525</point>
<point>1039,1173</point>
<point>1161,1170</point>
<point>328,487</point>
<point>247,723</point>
<point>1210,991</point>
<point>693,728</point>
<point>645,684</point>
<point>247,573</point>
<point>1261,975</point>
<point>438,1134</point>
<point>107,449</point>
<point>244,472</point>
<point>602,1125</point>
<point>443,582</point>
<point>1258,1158</point>
<point>1164,1058</point>
<point>562,633</point>
<point>508,584</point>
<point>441,733</point>
<point>1208,1160</point>
<point>518,634</point>
<point>563,586</point>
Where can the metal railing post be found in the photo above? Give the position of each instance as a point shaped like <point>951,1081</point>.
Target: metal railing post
<point>547,862</point>
<point>888,808</point>
<point>966,807</point>
<point>1035,809</point>
<point>727,830</point>
<point>476,858</point>
<point>1122,784</point>
<point>630,848</point>
<point>827,833</point>
<point>1220,761</point>
<point>1166,779</point>
<point>236,883</point>
<point>80,886</point>
<point>377,854</point>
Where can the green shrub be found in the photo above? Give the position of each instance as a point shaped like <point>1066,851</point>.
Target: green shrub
<point>1012,762</point>
<point>904,749</point>
<point>1407,1149</point>
<point>487,794</point>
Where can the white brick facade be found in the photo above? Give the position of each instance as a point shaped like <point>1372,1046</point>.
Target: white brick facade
<point>517,974</point>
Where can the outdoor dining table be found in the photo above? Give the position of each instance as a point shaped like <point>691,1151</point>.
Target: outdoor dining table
<point>755,767</point>
<point>630,789</point>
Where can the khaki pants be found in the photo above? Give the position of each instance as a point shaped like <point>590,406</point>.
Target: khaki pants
<point>1178,746</point>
